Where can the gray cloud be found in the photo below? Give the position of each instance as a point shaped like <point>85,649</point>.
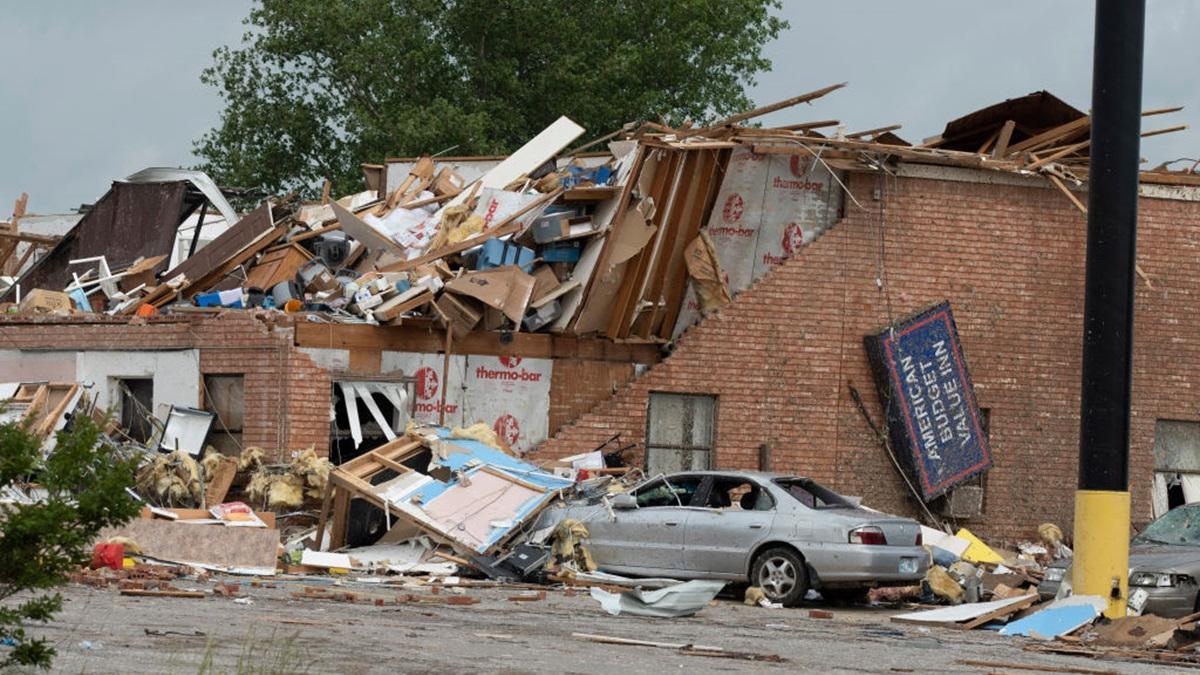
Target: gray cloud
<point>91,92</point>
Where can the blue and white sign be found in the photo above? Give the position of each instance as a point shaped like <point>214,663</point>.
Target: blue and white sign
<point>932,414</point>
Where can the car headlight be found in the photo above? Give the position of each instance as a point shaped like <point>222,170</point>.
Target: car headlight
<point>1152,579</point>
<point>1055,574</point>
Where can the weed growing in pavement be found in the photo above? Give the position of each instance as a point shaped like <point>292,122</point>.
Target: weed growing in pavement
<point>271,656</point>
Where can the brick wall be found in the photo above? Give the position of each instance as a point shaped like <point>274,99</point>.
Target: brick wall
<point>577,386</point>
<point>1010,260</point>
<point>287,397</point>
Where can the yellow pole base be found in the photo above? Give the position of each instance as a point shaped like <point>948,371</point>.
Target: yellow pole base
<point>1101,565</point>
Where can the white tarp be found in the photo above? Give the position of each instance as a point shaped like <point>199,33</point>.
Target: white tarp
<point>768,208</point>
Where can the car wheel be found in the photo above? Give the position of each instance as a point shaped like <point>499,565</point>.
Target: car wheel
<point>781,574</point>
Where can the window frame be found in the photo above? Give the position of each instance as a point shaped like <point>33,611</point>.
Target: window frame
<point>711,450</point>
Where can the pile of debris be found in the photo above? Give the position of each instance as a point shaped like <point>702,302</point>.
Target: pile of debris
<point>546,239</point>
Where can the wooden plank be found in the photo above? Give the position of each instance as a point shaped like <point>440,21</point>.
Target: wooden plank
<point>218,484</point>
<point>677,292</point>
<point>365,360</point>
<point>1003,139</point>
<point>215,275</point>
<point>805,126</point>
<point>998,613</point>
<point>1070,195</point>
<point>763,110</point>
<point>874,132</point>
<point>1165,130</point>
<point>341,518</point>
<point>1059,133</point>
<point>635,268</point>
<point>668,258</point>
<point>416,339</point>
<point>1062,152</point>
<point>245,232</point>
<point>147,593</point>
<point>595,193</point>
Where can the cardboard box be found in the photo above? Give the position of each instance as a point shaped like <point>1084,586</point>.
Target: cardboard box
<point>544,280</point>
<point>565,252</point>
<point>42,301</point>
<point>459,313</point>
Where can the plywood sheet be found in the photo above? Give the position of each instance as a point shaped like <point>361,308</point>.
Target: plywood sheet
<point>246,550</point>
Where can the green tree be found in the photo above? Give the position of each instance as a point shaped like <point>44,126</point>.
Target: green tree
<point>319,86</point>
<point>41,543</point>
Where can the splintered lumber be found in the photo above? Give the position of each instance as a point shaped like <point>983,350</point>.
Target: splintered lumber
<point>682,648</point>
<point>873,132</point>
<point>1164,130</point>
<point>759,112</point>
<point>144,593</point>
<point>1052,136</point>
<point>1041,668</point>
<point>1070,195</point>
<point>1063,152</point>
<point>1003,139</point>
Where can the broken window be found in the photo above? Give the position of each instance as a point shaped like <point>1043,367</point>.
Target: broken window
<point>678,491</point>
<point>679,432</point>
<point>137,407</point>
<point>367,414</point>
<point>1176,464</point>
<point>225,397</point>
<point>738,494</point>
<point>812,495</point>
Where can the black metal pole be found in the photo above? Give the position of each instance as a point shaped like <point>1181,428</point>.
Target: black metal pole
<point>199,226</point>
<point>1111,245</point>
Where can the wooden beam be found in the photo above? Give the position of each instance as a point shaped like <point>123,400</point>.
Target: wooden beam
<point>1074,200</point>
<point>1063,152</point>
<point>38,239</point>
<point>1002,141</point>
<point>1061,132</point>
<point>873,132</point>
<point>805,126</point>
<point>759,112</point>
<point>1165,130</point>
<point>1161,111</point>
<point>416,339</point>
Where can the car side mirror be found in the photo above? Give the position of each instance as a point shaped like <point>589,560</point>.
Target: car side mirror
<point>623,501</point>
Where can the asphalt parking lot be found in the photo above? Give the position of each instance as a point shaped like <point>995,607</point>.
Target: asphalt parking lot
<point>274,631</point>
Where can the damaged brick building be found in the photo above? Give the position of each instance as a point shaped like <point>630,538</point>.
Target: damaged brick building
<point>821,241</point>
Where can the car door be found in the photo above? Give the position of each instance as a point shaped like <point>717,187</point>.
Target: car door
<point>732,516</point>
<point>648,539</point>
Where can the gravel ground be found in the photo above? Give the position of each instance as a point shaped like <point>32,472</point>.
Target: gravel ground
<point>100,631</point>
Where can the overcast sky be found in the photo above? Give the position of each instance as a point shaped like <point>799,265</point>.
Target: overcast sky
<point>93,91</point>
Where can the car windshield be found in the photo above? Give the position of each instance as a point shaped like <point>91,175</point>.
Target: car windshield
<point>1179,527</point>
<point>812,495</point>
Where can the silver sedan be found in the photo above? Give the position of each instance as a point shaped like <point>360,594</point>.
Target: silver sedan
<point>785,534</point>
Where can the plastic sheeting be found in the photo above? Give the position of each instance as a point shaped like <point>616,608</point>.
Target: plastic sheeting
<point>683,599</point>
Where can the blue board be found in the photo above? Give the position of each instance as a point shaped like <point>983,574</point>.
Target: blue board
<point>933,418</point>
<point>1052,621</point>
